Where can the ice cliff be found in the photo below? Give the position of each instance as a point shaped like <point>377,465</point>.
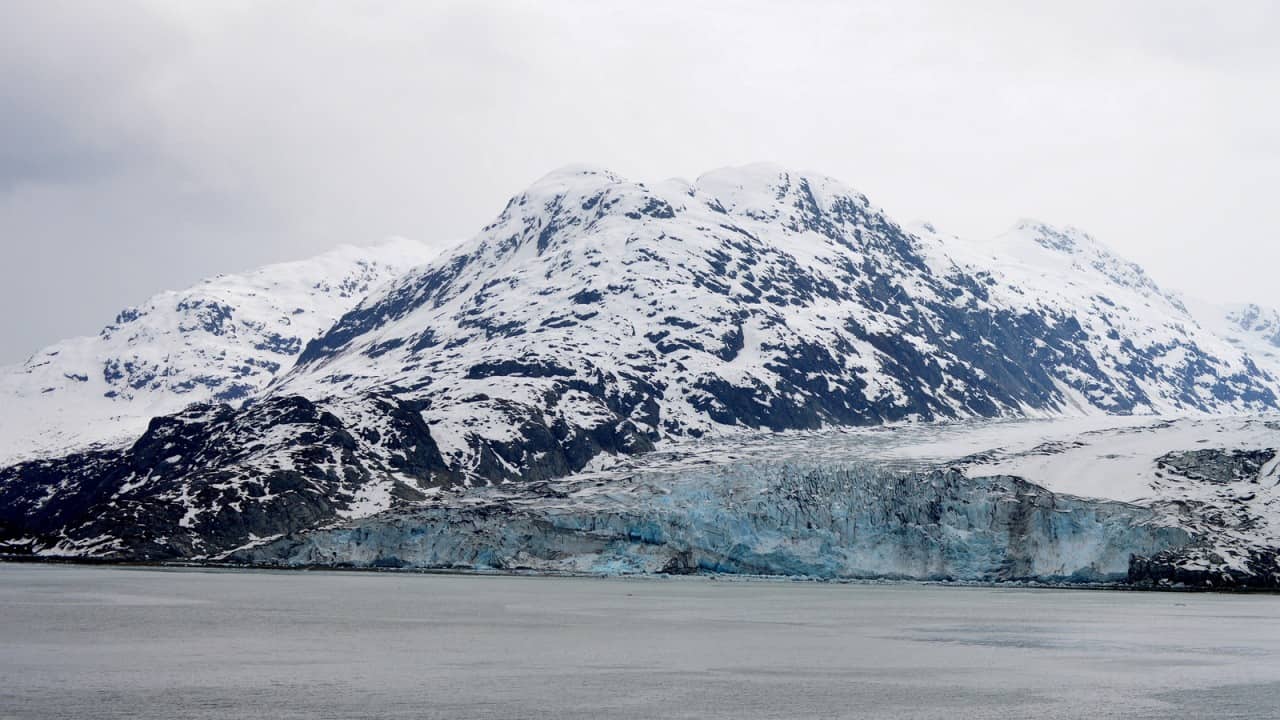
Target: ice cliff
<point>855,521</point>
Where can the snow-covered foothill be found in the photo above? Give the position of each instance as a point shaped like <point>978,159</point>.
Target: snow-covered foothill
<point>223,339</point>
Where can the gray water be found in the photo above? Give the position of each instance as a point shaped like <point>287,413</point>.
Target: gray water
<point>96,642</point>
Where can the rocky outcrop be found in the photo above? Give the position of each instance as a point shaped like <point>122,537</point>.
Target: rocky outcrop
<point>1217,465</point>
<point>1233,508</point>
<point>1203,566</point>
<point>211,478</point>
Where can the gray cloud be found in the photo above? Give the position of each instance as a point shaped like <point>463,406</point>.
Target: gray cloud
<point>149,143</point>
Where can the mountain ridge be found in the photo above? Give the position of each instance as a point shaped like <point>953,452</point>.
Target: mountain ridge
<point>221,339</point>
<point>804,207</point>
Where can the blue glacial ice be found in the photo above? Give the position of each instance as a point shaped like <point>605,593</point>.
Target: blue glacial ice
<point>788,517</point>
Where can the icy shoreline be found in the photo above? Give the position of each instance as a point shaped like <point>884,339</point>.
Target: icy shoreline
<point>245,568</point>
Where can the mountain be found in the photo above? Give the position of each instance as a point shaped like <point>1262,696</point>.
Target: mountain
<point>1252,328</point>
<point>598,313</point>
<point>1143,328</point>
<point>597,318</point>
<point>221,340</point>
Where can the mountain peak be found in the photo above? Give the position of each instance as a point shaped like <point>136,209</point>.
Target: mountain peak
<point>759,191</point>
<point>575,175</point>
<point>1066,239</point>
<point>760,188</point>
<point>222,339</point>
<point>1072,253</point>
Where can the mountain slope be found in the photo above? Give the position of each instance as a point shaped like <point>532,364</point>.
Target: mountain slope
<point>1147,331</point>
<point>221,340</point>
<point>1252,328</point>
<point>752,298</point>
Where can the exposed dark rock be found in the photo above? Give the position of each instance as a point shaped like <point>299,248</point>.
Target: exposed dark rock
<point>1219,466</point>
<point>213,478</point>
<point>1202,567</point>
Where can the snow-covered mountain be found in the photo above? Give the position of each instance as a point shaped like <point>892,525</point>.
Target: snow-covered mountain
<point>221,340</point>
<point>1254,329</point>
<point>598,318</point>
<point>1066,271</point>
<point>595,310</point>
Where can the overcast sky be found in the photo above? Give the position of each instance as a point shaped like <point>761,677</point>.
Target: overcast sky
<point>144,145</point>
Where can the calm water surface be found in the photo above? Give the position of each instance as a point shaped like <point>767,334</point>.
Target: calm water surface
<point>146,643</point>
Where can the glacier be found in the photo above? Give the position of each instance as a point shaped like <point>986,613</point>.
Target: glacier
<point>789,519</point>
<point>916,502</point>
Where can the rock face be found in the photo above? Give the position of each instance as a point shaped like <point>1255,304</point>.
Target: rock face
<point>1230,499</point>
<point>220,341</point>
<point>1217,465</point>
<point>211,478</point>
<point>597,319</point>
<point>1258,569</point>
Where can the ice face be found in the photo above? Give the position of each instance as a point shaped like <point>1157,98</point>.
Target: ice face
<point>987,502</point>
<point>786,518</point>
